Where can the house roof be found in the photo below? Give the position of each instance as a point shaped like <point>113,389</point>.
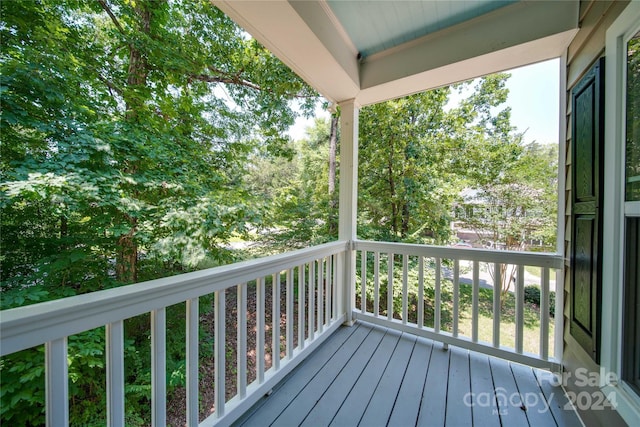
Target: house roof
<point>374,50</point>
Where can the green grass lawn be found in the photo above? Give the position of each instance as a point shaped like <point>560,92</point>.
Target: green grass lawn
<point>534,271</point>
<point>531,329</point>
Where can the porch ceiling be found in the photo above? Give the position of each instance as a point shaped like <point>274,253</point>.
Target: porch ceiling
<point>372,51</point>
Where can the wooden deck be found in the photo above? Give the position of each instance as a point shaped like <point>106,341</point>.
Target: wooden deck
<point>371,376</point>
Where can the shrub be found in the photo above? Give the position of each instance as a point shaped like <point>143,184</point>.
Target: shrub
<point>532,295</point>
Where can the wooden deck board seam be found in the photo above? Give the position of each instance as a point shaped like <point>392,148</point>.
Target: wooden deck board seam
<point>380,379</point>
<point>403,375</point>
<point>424,383</point>
<point>361,373</point>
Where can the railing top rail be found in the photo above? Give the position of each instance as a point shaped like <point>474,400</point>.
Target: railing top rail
<point>32,325</point>
<point>535,259</point>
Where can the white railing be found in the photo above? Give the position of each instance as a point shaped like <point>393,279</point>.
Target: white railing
<point>311,300</point>
<point>320,310</point>
<point>408,266</point>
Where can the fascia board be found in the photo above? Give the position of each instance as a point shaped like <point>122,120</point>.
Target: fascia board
<point>326,65</point>
<point>519,34</point>
<point>513,57</point>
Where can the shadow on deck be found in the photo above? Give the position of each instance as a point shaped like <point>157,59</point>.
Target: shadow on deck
<point>371,376</point>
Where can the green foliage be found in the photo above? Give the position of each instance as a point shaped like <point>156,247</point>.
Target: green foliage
<point>139,138</point>
<point>407,177</point>
<point>294,192</point>
<point>485,296</point>
<point>632,113</point>
<point>532,295</point>
<point>23,388</point>
<point>515,198</point>
<point>417,154</point>
<point>99,160</point>
<point>126,127</point>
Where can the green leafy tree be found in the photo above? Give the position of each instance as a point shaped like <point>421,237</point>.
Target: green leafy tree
<point>125,127</point>
<point>515,202</point>
<point>300,200</point>
<point>632,148</point>
<point>402,161</point>
<point>412,164</point>
<point>104,106</point>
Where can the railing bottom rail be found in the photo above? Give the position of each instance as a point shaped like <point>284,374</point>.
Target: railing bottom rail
<point>446,338</point>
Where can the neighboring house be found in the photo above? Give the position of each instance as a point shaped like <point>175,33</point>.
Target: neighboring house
<point>505,217</point>
<point>363,52</point>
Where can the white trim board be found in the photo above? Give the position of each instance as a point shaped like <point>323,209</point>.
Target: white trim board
<point>308,39</point>
<point>627,24</point>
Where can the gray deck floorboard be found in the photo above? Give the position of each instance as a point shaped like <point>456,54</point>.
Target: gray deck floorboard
<point>307,398</point>
<point>410,394</point>
<point>434,394</point>
<point>558,402</point>
<point>482,398</point>
<point>357,401</point>
<point>371,376</point>
<point>510,406</point>
<point>537,409</point>
<point>458,413</point>
<point>326,408</point>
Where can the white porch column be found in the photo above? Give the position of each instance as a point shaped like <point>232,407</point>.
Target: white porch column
<point>348,203</point>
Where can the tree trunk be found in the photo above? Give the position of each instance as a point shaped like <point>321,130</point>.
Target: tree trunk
<point>137,72</point>
<point>333,202</point>
<point>404,230</point>
<point>127,258</point>
<point>64,226</point>
<point>392,191</point>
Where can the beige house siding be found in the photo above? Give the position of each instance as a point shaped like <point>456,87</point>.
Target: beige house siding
<point>586,48</point>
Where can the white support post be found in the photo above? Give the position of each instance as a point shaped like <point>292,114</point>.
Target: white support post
<point>241,333</point>
<point>193,341</point>
<point>560,233</point>
<point>275,320</point>
<point>438,297</point>
<point>420,292</point>
<point>405,288</point>
<point>115,373</point>
<point>390,261</point>
<point>321,286</point>
<point>544,315</point>
<point>456,296</point>
<point>290,319</point>
<point>311,323</point>
<point>363,282</point>
<point>335,287</point>
<point>519,309</point>
<point>56,383</point>
<point>260,326</point>
<point>475,301</point>
<point>348,205</point>
<point>497,305</point>
<point>158,367</point>
<point>302,306</point>
<point>558,317</point>
<point>376,283</point>
<point>219,341</point>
